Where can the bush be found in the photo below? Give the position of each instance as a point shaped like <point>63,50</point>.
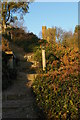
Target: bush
<point>57,91</point>
<point>58,98</point>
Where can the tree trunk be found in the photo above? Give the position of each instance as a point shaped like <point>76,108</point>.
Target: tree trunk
<point>3,27</point>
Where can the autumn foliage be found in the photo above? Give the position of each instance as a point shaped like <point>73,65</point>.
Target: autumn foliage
<point>57,91</point>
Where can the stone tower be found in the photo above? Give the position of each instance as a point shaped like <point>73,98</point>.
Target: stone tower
<point>44,30</point>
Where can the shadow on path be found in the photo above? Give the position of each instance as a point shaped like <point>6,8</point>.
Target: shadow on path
<point>18,99</point>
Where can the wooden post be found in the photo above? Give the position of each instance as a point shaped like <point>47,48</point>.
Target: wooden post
<point>43,59</point>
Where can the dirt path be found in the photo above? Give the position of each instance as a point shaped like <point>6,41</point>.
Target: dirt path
<point>18,100</point>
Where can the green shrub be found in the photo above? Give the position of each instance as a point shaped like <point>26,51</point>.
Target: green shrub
<point>58,98</point>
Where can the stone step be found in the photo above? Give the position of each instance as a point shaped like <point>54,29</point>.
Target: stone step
<point>20,113</point>
<point>17,104</point>
<point>14,97</point>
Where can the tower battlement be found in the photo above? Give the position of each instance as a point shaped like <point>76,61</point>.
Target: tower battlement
<point>48,34</point>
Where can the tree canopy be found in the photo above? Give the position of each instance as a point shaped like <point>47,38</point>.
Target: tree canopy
<point>8,8</point>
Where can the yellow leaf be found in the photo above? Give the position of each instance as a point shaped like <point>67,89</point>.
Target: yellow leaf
<point>71,102</point>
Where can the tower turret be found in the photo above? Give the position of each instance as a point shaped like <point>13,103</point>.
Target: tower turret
<point>44,30</point>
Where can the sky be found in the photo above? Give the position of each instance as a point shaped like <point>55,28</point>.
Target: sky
<point>60,14</point>
<point>57,0</point>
